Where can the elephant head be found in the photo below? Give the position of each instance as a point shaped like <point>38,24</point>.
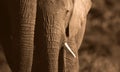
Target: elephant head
<point>59,22</point>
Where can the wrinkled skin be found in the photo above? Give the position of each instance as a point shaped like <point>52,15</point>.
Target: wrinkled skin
<point>18,24</point>
<point>59,22</point>
<point>38,31</point>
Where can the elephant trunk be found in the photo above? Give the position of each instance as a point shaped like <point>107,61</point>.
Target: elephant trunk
<point>53,48</point>
<point>53,40</point>
<point>27,18</point>
<point>51,19</point>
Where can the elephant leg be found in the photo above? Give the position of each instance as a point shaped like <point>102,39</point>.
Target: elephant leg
<point>22,19</point>
<point>26,21</point>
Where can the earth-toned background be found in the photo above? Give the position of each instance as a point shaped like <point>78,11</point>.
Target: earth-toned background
<point>100,50</point>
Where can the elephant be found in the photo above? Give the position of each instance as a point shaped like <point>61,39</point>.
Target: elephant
<point>4,67</point>
<point>39,30</point>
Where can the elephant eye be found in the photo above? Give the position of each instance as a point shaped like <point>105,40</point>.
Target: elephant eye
<point>68,15</point>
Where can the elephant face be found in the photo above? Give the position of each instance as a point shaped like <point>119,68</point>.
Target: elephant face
<point>59,22</point>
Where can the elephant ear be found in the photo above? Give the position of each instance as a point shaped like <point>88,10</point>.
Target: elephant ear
<point>80,11</point>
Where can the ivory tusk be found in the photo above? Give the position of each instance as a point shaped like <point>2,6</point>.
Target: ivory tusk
<point>67,46</point>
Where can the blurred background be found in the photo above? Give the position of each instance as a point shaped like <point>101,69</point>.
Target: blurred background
<point>100,50</point>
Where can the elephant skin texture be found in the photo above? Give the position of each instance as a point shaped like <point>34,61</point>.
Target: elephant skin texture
<point>36,33</point>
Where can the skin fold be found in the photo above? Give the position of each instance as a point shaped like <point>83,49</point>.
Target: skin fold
<point>38,31</point>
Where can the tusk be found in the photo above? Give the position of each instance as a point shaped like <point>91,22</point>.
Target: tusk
<point>67,46</point>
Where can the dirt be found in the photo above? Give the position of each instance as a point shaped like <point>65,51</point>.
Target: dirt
<point>101,44</point>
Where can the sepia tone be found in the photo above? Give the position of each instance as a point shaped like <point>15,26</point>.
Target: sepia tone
<point>100,50</point>
<point>34,34</point>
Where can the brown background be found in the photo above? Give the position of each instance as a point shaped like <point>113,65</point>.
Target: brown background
<point>102,38</point>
